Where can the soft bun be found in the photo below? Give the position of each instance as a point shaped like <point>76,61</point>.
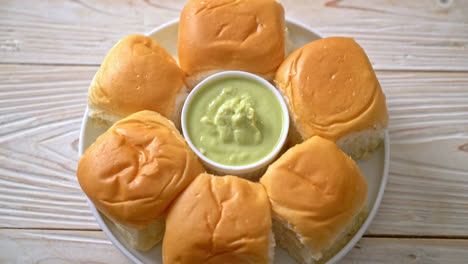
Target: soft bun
<point>137,74</point>
<point>219,220</point>
<point>317,194</point>
<point>333,92</point>
<point>136,168</point>
<point>222,35</point>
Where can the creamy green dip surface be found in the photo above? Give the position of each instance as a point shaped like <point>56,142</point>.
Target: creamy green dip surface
<point>234,121</point>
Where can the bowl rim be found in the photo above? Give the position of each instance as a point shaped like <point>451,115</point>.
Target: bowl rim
<point>241,168</point>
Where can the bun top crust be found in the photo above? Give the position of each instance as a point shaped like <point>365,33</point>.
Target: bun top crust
<point>137,74</point>
<point>218,220</point>
<point>136,168</point>
<point>317,189</point>
<point>231,35</point>
<point>332,89</point>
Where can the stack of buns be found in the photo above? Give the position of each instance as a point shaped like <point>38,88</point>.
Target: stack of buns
<point>142,175</point>
<point>134,171</point>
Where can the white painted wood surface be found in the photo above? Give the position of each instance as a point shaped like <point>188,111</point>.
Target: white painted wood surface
<point>396,34</point>
<point>49,51</point>
<point>66,246</point>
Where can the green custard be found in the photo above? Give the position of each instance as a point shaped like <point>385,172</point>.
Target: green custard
<point>234,121</point>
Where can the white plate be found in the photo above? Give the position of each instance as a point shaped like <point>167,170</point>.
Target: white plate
<point>375,168</point>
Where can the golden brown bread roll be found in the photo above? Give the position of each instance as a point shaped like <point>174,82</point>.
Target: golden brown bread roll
<point>317,194</point>
<point>222,35</point>
<point>137,74</point>
<point>333,92</point>
<point>219,220</point>
<point>134,170</point>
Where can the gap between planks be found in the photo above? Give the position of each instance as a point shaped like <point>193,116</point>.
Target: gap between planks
<point>365,235</point>
<point>400,70</point>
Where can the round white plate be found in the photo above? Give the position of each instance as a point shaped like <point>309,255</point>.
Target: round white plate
<point>375,168</point>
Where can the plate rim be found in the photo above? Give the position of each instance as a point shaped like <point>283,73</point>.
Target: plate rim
<point>338,256</point>
<point>383,183</point>
<point>96,213</point>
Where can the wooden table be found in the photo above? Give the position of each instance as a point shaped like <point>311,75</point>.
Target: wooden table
<point>49,51</point>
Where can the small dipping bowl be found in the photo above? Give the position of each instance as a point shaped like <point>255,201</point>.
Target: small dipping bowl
<point>249,170</point>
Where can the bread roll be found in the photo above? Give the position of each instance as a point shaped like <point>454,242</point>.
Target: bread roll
<point>220,35</point>
<point>318,197</point>
<point>219,220</point>
<point>137,74</point>
<point>333,92</point>
<point>133,172</point>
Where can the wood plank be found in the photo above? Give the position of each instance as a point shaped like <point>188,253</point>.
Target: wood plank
<point>54,246</point>
<point>428,182</point>
<point>416,35</point>
<point>40,114</point>
<point>403,250</point>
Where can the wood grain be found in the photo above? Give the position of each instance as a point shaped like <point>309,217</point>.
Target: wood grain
<point>41,109</point>
<point>397,250</point>
<point>40,117</point>
<point>427,35</point>
<point>55,246</point>
<point>428,182</point>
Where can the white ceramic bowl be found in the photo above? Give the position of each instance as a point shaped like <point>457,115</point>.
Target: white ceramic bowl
<point>375,169</point>
<point>249,170</point>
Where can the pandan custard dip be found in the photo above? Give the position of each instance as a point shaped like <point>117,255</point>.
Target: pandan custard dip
<point>235,119</point>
